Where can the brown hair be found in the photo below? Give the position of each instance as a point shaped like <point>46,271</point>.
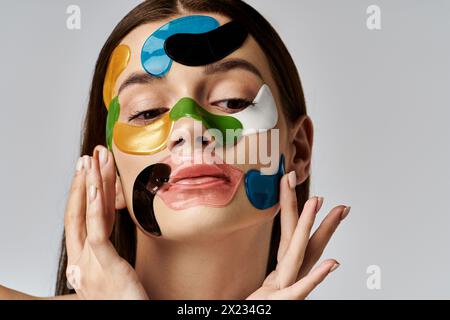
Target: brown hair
<point>283,71</point>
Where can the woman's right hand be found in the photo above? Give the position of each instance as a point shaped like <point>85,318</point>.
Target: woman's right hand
<point>95,269</point>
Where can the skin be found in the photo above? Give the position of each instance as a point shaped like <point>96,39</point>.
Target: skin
<point>205,253</point>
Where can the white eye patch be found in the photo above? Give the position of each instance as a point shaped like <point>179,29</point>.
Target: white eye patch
<point>261,116</point>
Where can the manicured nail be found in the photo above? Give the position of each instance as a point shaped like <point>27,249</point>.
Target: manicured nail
<point>103,156</point>
<point>79,166</point>
<point>344,213</point>
<point>319,203</point>
<point>87,162</point>
<point>92,193</point>
<point>292,179</point>
<point>334,267</point>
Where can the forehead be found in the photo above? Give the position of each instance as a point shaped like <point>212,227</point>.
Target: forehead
<point>135,40</point>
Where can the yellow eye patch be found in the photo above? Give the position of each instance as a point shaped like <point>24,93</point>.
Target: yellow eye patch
<point>119,60</point>
<point>143,140</point>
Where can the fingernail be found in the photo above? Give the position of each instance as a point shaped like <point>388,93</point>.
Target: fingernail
<point>334,267</point>
<point>103,156</point>
<point>79,166</point>
<point>87,162</point>
<point>292,179</point>
<point>92,193</point>
<point>344,213</point>
<point>319,203</point>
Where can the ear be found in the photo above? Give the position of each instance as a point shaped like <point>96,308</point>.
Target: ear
<point>120,198</point>
<point>301,141</point>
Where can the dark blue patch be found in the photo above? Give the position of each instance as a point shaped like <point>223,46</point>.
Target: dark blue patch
<point>263,191</point>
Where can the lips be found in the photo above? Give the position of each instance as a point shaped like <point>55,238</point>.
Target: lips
<point>199,175</point>
<point>193,184</point>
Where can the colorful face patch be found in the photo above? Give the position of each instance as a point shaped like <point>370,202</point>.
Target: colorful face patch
<point>145,140</point>
<point>154,58</point>
<point>148,139</point>
<point>205,48</point>
<point>148,182</point>
<point>119,60</point>
<point>261,116</point>
<point>111,120</point>
<point>263,191</point>
<point>187,107</point>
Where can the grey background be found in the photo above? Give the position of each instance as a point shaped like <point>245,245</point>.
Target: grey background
<point>379,100</point>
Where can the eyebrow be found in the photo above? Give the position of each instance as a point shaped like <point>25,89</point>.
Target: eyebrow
<point>213,68</point>
<point>137,78</point>
<point>227,65</point>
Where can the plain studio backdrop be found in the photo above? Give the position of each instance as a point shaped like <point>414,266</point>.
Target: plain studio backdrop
<point>379,100</point>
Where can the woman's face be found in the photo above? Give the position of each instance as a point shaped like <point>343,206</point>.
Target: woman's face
<point>198,201</point>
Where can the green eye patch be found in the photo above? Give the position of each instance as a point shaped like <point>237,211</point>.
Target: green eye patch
<point>113,116</point>
<point>187,107</point>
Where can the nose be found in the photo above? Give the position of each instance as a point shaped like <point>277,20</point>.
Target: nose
<point>188,136</point>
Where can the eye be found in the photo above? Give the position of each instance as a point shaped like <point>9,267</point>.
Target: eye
<point>233,105</point>
<point>147,116</point>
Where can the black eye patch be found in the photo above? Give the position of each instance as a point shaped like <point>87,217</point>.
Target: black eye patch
<point>205,48</point>
<point>148,182</point>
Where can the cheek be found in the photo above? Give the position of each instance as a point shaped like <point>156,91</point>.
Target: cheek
<point>260,151</point>
<point>264,168</point>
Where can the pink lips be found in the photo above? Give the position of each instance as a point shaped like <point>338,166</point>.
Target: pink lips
<point>193,184</point>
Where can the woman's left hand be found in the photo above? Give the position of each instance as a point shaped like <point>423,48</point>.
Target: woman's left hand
<point>298,253</point>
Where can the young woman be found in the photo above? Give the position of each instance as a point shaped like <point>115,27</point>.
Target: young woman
<point>145,221</point>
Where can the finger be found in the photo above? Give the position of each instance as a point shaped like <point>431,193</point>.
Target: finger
<point>301,289</point>
<point>98,221</point>
<point>74,217</point>
<point>321,237</point>
<point>289,265</point>
<point>108,174</point>
<point>288,212</point>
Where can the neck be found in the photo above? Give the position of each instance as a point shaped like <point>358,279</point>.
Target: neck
<point>230,267</point>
